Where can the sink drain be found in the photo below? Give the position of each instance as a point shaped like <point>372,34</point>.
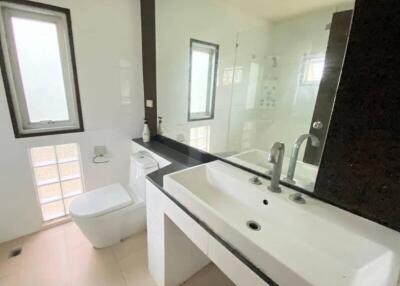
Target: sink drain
<point>253,225</point>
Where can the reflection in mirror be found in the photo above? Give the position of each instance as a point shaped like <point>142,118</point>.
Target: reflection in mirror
<point>270,76</point>
<point>203,72</point>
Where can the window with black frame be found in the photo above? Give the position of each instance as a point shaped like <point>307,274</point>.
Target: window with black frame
<point>202,80</point>
<point>39,69</point>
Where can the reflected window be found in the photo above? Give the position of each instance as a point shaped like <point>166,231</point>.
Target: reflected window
<point>202,85</point>
<point>314,69</point>
<point>232,75</point>
<point>200,137</point>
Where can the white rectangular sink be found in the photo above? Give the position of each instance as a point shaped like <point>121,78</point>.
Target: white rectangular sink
<point>312,244</point>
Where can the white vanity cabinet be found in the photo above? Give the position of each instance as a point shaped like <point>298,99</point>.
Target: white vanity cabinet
<point>178,247</point>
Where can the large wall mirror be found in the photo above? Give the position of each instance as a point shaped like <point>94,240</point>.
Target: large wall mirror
<point>235,76</point>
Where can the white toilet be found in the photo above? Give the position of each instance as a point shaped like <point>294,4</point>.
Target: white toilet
<point>109,214</point>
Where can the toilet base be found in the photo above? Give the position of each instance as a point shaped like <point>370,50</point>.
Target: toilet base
<point>109,229</point>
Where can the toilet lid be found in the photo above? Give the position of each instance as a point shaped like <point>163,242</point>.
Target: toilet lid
<point>100,201</point>
<point>143,160</point>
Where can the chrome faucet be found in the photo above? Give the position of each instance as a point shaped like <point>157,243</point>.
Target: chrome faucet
<point>295,154</point>
<point>276,158</point>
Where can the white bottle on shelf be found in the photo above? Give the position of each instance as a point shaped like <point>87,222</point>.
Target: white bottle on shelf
<point>146,132</point>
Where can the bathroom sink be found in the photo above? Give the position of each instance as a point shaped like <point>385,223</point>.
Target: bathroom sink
<point>256,159</point>
<point>310,244</point>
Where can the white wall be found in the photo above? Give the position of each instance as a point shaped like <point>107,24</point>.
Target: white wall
<point>105,33</point>
<point>209,20</point>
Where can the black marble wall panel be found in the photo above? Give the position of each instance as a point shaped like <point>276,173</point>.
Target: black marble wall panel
<point>360,168</point>
<point>334,57</point>
<point>149,61</point>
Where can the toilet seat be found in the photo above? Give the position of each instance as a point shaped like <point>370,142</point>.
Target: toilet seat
<point>100,201</point>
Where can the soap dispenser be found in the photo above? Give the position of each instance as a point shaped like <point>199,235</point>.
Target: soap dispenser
<point>159,128</point>
<point>146,132</point>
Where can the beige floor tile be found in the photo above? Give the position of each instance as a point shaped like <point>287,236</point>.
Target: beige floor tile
<point>134,268</point>
<point>209,276</point>
<point>94,267</point>
<point>6,247</point>
<point>62,256</point>
<point>73,236</point>
<point>130,245</point>
<point>10,266</point>
<point>44,261</point>
<point>11,280</point>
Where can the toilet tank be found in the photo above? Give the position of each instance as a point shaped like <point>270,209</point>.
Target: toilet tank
<point>141,164</point>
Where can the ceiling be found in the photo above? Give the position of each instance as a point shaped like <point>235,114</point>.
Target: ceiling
<point>275,10</point>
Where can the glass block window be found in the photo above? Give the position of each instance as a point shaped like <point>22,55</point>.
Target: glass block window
<point>58,179</point>
<point>200,137</point>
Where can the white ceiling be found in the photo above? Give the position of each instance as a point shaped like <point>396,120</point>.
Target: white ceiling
<point>275,10</point>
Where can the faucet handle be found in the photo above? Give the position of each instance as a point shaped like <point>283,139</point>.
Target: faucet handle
<point>297,198</point>
<point>255,181</point>
<point>277,148</point>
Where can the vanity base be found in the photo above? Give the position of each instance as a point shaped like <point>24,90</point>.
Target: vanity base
<point>178,247</point>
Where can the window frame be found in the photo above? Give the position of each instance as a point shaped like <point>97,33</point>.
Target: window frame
<point>61,17</point>
<point>212,88</point>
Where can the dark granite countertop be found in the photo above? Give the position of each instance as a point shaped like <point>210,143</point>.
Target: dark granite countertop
<point>179,161</point>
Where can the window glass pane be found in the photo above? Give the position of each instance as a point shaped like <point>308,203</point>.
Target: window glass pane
<point>40,66</point>
<point>315,71</point>
<point>49,193</point>
<point>53,210</point>
<point>67,152</point>
<point>202,131</point>
<point>69,170</point>
<point>71,188</point>
<point>200,137</point>
<point>43,156</point>
<point>199,89</point>
<point>46,175</point>
<point>52,192</point>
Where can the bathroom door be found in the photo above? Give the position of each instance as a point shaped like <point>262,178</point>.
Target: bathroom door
<point>337,43</point>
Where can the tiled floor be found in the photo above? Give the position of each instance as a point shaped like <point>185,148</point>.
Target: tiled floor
<point>209,276</point>
<point>62,256</point>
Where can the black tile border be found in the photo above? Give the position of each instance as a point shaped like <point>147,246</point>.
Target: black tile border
<point>148,21</point>
<point>189,151</point>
